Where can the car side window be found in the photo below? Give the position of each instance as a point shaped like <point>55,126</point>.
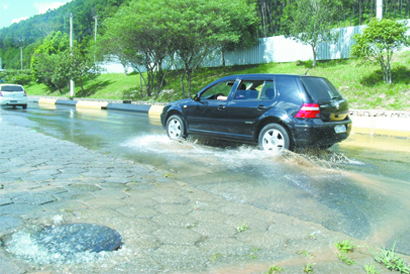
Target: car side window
<point>255,90</point>
<point>287,87</point>
<point>219,91</point>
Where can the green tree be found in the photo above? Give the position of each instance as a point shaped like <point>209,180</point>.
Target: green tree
<point>139,34</point>
<point>83,63</point>
<point>49,70</point>
<point>14,76</point>
<point>242,29</point>
<point>50,63</point>
<point>37,28</point>
<point>160,33</point>
<point>379,41</point>
<point>195,28</point>
<point>310,22</point>
<point>54,65</point>
<point>199,27</point>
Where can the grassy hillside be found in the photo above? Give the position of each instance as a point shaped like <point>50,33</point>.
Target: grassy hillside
<point>361,84</point>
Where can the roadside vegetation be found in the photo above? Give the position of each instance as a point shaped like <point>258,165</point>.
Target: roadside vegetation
<point>274,269</point>
<point>379,41</point>
<point>361,84</point>
<point>182,34</point>
<point>391,260</point>
<point>386,258</point>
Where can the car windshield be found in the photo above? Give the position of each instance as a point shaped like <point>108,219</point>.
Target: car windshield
<point>12,88</point>
<point>320,89</point>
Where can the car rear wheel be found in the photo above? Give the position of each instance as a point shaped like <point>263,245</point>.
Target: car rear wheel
<point>175,128</point>
<point>274,137</point>
<point>24,106</point>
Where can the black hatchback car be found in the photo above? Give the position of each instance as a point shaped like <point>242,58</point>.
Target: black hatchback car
<point>278,111</point>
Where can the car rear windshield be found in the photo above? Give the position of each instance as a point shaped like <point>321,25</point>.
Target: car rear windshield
<point>12,88</point>
<point>320,89</point>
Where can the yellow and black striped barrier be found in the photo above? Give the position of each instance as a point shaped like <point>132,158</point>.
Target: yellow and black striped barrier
<point>153,111</point>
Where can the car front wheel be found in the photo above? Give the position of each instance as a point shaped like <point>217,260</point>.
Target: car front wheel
<point>175,128</point>
<point>274,137</point>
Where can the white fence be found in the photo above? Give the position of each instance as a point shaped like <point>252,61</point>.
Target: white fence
<point>280,49</point>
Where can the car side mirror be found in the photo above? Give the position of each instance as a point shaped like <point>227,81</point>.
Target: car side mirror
<point>195,97</point>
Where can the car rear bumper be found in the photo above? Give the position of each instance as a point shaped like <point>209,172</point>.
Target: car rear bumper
<point>13,102</point>
<point>319,133</point>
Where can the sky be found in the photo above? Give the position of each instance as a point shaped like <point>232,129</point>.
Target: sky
<point>13,11</point>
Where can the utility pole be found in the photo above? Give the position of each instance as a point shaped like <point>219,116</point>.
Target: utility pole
<point>71,53</point>
<point>95,28</point>
<point>379,9</point>
<point>95,34</point>
<point>21,58</point>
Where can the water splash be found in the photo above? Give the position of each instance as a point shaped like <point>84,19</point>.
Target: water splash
<point>24,246</point>
<point>211,152</point>
<point>75,243</point>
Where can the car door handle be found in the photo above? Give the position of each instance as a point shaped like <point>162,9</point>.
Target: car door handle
<point>221,107</point>
<point>260,108</point>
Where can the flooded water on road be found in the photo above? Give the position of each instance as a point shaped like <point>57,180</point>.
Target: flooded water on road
<point>360,190</point>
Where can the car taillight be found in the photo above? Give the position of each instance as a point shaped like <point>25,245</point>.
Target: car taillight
<point>25,94</point>
<point>309,111</point>
<point>1,95</point>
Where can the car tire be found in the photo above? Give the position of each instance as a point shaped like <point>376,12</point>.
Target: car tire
<point>274,137</point>
<point>24,106</point>
<point>175,128</point>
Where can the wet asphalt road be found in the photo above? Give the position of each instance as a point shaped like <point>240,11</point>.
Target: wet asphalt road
<point>194,207</point>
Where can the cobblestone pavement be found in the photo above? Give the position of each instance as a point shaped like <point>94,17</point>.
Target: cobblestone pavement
<point>167,225</point>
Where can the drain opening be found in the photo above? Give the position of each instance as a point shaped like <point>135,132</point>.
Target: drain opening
<point>72,243</point>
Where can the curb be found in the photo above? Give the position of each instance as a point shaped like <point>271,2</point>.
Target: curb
<point>152,110</point>
<point>380,122</point>
<point>65,102</point>
<point>129,107</point>
<point>91,104</point>
<point>385,126</point>
<point>155,111</point>
<point>47,101</point>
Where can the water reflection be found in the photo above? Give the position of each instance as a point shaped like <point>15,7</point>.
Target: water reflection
<point>47,106</point>
<point>85,113</point>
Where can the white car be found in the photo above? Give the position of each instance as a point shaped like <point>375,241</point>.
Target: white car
<point>13,95</point>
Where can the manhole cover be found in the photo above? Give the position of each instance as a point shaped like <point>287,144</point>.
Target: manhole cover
<point>66,243</point>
